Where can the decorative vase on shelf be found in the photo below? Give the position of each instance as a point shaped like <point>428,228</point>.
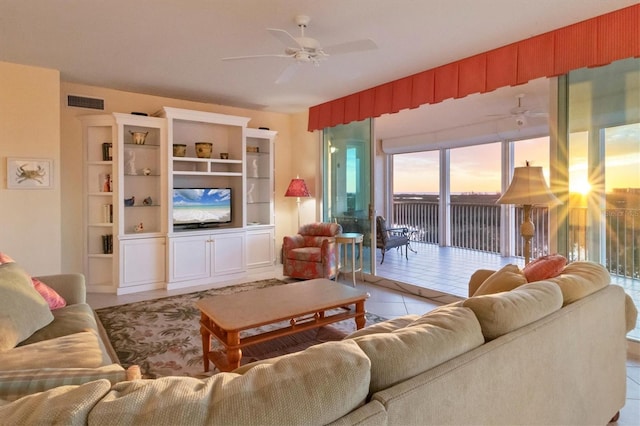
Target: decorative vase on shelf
<point>250,194</point>
<point>254,167</point>
<point>203,149</point>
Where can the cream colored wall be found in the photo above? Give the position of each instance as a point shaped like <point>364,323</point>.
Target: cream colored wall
<point>30,128</point>
<point>305,163</point>
<point>119,101</point>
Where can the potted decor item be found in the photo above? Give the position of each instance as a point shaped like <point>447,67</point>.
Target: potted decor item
<point>203,149</point>
<point>179,150</point>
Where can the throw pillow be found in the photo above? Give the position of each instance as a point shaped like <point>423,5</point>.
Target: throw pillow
<point>52,297</point>
<point>4,258</point>
<point>54,300</point>
<point>22,310</point>
<point>544,267</point>
<point>505,279</point>
<point>502,313</point>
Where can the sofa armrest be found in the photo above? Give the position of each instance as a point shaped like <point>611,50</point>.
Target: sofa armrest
<point>70,286</point>
<point>477,278</point>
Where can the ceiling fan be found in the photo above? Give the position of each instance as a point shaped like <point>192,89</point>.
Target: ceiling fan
<point>305,49</point>
<point>521,113</point>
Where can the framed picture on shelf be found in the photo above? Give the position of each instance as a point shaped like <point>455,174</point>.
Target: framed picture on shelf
<point>29,173</point>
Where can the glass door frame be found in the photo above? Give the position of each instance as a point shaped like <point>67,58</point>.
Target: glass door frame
<point>362,209</point>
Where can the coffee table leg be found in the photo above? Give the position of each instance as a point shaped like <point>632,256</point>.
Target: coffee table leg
<point>360,319</point>
<point>233,355</point>
<point>206,340</point>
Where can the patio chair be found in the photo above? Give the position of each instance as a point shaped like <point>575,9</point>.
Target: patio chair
<point>388,238</point>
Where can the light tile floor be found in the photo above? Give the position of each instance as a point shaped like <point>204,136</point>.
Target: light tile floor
<point>390,298</point>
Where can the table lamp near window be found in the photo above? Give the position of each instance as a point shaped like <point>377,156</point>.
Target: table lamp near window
<point>297,188</point>
<point>528,188</point>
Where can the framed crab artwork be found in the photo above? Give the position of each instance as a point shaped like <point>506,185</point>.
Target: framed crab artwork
<point>29,173</point>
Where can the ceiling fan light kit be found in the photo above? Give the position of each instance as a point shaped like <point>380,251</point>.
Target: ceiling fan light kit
<point>520,113</point>
<point>303,49</point>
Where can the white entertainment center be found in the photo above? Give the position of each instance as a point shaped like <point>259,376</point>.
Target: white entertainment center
<point>133,242</point>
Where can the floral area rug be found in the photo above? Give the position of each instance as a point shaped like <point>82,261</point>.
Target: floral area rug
<point>162,336</point>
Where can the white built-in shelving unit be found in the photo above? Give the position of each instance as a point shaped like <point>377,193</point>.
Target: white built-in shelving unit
<point>128,200</point>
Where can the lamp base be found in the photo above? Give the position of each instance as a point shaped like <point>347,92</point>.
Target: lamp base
<point>527,230</point>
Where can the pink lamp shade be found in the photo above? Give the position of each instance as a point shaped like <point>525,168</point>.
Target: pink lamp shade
<point>297,188</point>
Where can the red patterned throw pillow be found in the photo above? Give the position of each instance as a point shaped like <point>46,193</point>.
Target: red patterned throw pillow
<point>54,300</point>
<point>544,268</point>
<point>52,297</point>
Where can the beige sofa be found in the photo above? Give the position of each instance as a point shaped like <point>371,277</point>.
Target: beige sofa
<point>549,352</point>
<point>68,345</point>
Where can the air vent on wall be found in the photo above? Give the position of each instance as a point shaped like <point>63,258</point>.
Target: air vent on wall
<point>84,102</point>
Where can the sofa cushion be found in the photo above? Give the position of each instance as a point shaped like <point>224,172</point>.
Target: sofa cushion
<point>79,350</point>
<point>70,320</point>
<point>315,386</point>
<point>64,405</point>
<point>504,312</point>
<point>385,326</point>
<point>544,267</point>
<point>433,339</point>
<point>580,279</point>
<point>15,384</point>
<point>505,279</point>
<point>22,310</point>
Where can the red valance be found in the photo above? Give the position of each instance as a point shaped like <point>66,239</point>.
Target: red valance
<point>594,42</point>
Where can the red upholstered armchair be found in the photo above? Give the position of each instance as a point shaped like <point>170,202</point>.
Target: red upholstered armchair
<point>312,252</point>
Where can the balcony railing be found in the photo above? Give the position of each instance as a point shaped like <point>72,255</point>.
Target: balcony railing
<point>476,226</point>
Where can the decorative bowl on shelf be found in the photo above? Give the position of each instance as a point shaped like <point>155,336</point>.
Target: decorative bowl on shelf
<point>129,201</point>
<point>138,137</point>
<point>179,150</point>
<point>203,149</point>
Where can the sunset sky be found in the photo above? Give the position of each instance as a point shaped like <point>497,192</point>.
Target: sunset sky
<point>477,168</point>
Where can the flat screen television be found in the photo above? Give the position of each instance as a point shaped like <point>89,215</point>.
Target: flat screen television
<point>201,207</point>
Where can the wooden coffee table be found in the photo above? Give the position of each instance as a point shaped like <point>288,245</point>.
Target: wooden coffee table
<point>302,304</point>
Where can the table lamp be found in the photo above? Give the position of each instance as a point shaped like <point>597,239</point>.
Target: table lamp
<point>528,188</point>
<point>297,188</point>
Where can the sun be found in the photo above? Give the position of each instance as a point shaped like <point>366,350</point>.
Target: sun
<point>580,186</point>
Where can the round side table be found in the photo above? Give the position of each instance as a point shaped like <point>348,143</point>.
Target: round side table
<point>350,238</point>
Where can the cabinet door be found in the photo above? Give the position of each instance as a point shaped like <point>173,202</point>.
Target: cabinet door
<point>229,253</point>
<point>190,258</point>
<point>142,261</point>
<point>260,248</point>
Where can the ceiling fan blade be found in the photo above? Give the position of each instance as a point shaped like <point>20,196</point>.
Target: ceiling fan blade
<point>536,114</point>
<point>288,73</point>
<point>350,47</point>
<point>285,38</point>
<point>275,55</point>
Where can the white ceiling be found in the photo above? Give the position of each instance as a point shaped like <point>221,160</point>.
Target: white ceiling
<point>173,48</point>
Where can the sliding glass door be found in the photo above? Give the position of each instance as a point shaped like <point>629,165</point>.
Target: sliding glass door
<point>603,163</point>
<point>347,178</point>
